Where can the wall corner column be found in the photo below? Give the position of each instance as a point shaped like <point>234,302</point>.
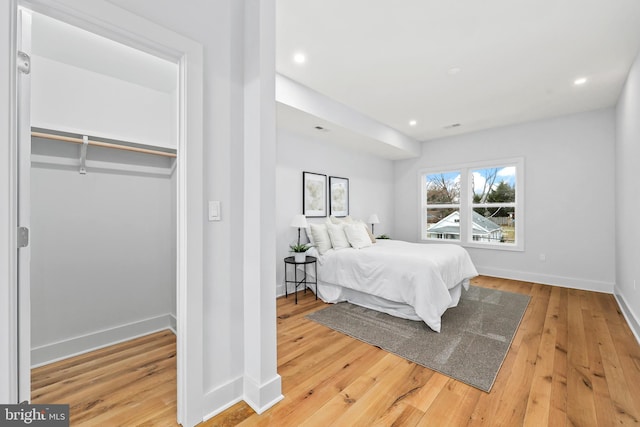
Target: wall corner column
<point>262,385</point>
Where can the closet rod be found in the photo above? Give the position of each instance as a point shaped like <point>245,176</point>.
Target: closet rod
<point>101,144</point>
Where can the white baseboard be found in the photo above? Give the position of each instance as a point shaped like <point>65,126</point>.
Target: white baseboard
<point>262,396</point>
<point>173,324</point>
<point>545,279</point>
<point>280,290</point>
<point>259,397</point>
<point>222,398</point>
<point>53,352</point>
<point>632,320</point>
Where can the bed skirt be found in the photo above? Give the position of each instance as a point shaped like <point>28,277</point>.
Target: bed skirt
<point>331,293</point>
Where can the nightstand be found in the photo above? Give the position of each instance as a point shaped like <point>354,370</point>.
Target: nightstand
<point>303,281</point>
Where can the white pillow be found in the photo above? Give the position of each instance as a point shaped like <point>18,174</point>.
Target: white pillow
<point>366,227</point>
<point>321,239</point>
<point>357,236</point>
<point>310,235</point>
<point>337,236</point>
<point>344,220</point>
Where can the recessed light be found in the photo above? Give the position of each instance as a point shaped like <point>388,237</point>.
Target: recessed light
<point>452,125</point>
<point>412,122</point>
<point>580,81</point>
<point>454,70</point>
<point>321,128</point>
<point>299,58</point>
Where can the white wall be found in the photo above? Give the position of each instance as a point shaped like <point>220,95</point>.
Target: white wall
<point>219,26</point>
<point>569,197</point>
<point>102,253</point>
<point>628,198</point>
<point>77,100</point>
<point>370,186</point>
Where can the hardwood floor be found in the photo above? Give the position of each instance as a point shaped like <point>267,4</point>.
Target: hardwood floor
<point>573,362</point>
<point>128,384</point>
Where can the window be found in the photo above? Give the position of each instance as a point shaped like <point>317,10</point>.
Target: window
<point>443,205</point>
<point>478,205</point>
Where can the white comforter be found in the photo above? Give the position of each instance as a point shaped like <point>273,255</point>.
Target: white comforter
<point>419,275</point>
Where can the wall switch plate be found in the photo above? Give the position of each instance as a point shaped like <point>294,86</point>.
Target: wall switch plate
<point>214,210</point>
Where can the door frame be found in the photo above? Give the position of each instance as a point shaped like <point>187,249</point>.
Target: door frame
<point>23,81</point>
<point>101,17</point>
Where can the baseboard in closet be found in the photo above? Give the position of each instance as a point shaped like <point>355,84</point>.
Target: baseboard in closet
<point>53,352</point>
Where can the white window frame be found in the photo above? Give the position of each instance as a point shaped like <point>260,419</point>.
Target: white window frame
<point>466,204</point>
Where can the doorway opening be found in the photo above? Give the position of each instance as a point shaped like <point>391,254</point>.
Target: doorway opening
<point>103,214</point>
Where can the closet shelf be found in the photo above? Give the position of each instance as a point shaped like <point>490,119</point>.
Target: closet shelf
<point>101,144</point>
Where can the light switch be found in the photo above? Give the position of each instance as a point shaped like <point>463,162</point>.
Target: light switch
<point>214,210</point>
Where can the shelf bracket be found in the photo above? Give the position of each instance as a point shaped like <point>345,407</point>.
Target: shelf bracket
<point>83,155</point>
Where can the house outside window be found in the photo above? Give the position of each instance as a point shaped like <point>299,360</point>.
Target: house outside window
<point>478,205</point>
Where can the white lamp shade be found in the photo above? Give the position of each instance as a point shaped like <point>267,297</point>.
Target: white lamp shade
<point>299,221</point>
<point>373,219</point>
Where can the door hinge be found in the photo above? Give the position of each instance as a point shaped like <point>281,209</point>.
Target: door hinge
<point>23,237</point>
<point>24,62</point>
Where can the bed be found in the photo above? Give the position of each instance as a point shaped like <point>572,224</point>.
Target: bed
<point>409,280</point>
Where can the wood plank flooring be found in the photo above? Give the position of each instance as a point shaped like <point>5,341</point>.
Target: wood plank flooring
<point>128,384</point>
<point>573,362</point>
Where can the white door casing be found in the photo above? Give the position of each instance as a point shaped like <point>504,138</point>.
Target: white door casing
<point>23,78</point>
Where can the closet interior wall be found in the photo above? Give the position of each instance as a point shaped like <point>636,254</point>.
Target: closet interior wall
<point>103,243</point>
<point>103,252</point>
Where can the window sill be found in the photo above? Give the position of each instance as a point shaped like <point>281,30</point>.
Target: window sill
<point>492,246</point>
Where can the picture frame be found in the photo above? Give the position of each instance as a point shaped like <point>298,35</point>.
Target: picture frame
<point>338,196</point>
<point>314,195</point>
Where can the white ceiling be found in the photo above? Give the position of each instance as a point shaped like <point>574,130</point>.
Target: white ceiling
<point>392,61</point>
<point>517,60</point>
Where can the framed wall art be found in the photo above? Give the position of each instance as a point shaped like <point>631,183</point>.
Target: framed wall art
<point>314,195</point>
<point>338,196</point>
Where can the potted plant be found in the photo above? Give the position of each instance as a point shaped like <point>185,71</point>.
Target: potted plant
<point>299,251</point>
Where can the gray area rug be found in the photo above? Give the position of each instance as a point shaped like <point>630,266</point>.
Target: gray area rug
<point>474,339</point>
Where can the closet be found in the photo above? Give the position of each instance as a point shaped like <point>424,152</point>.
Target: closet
<point>103,191</point>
